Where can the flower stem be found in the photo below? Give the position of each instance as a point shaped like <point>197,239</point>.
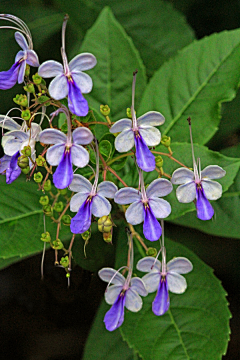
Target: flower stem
<point>170,157</point>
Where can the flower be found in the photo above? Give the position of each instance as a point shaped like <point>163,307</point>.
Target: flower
<point>123,293</point>
<point>146,206</point>
<point>163,278</point>
<point>90,199</point>
<point>9,166</point>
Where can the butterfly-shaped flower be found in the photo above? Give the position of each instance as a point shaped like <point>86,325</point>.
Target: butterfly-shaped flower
<point>123,293</point>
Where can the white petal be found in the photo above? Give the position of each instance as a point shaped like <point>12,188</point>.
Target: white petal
<point>151,281</point>
<point>80,183</point>
<point>213,172</point>
<point>150,135</point>
<point>149,264</point>
<point>11,146</point>
<point>112,293</point>
<point>55,153</point>
<point>182,176</point>
<point>18,134</point>
<point>151,118</point>
<point>50,68</point>
<point>133,301</point>
<point>180,265</point>
<point>83,81</point>
<point>82,136</point>
<point>100,206</point>
<point>32,58</point>
<point>127,196</point>
<point>186,193</point>
<point>77,200</point>
<point>176,283</point>
<point>82,62</point>
<point>138,285</point>
<point>159,188</point>
<point>135,213</point>
<point>212,189</point>
<point>107,274</point>
<point>20,39</point>
<point>124,141</point>
<point>80,156</point>
<point>160,208</point>
<point>120,125</point>
<point>58,88</point>
<point>52,136</point>
<point>34,131</point>
<point>107,189</point>
<point>7,123</point>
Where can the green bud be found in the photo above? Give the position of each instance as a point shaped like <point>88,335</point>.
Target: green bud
<point>64,261</point>
<point>21,100</point>
<point>23,162</point>
<point>58,206</point>
<point>105,224</point>
<point>46,237</point>
<point>107,237</point>
<point>27,70</point>
<point>38,177</point>
<point>37,79</point>
<point>57,244</point>
<point>26,151</point>
<point>67,275</point>
<point>64,128</point>
<point>47,186</point>
<point>86,235</point>
<point>66,219</point>
<point>105,110</point>
<point>63,191</point>
<point>159,161</point>
<point>29,88</point>
<point>166,141</point>
<point>47,209</point>
<point>44,200</point>
<point>151,252</point>
<point>26,114</point>
<point>26,170</point>
<point>40,160</point>
<point>129,113</point>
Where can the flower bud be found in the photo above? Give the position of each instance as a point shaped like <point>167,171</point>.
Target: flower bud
<point>26,115</point>
<point>129,113</point>
<point>29,88</point>
<point>47,186</point>
<point>46,237</point>
<point>63,191</point>
<point>67,275</point>
<point>151,252</point>
<point>86,235</point>
<point>38,177</point>
<point>166,141</point>
<point>27,70</point>
<point>44,200</point>
<point>23,162</point>
<point>159,161</point>
<point>58,206</point>
<point>40,160</point>
<point>107,237</point>
<point>66,219</point>
<point>105,224</point>
<point>57,244</point>
<point>21,100</point>
<point>47,209</point>
<point>105,110</point>
<point>26,170</point>
<point>37,79</point>
<point>26,151</point>
<point>64,261</point>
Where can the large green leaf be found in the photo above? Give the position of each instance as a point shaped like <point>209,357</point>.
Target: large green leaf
<point>194,83</point>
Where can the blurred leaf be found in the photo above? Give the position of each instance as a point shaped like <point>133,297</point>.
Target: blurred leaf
<point>195,83</point>
<point>105,149</point>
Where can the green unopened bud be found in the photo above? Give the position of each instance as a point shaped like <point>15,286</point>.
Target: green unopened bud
<point>26,170</point>
<point>63,191</point>
<point>38,177</point>
<point>86,235</point>
<point>26,151</point>
<point>46,237</point>
<point>105,110</point>
<point>105,224</point>
<point>27,70</point>
<point>26,115</point>
<point>23,162</point>
<point>159,161</point>
<point>151,252</point>
<point>47,186</point>
<point>44,200</point>
<point>29,88</point>
<point>67,275</point>
<point>57,244</point>
<point>58,206</point>
<point>107,237</point>
<point>47,209</point>
<point>64,261</point>
<point>37,79</point>
<point>129,113</point>
<point>166,141</point>
<point>21,100</point>
<point>66,219</point>
<point>40,160</point>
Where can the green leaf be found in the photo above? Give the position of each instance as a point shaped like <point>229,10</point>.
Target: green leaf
<point>112,76</point>
<point>105,149</point>
<point>195,83</point>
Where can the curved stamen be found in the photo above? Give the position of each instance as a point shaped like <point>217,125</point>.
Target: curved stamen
<point>63,51</point>
<point>22,27</point>
<point>134,119</point>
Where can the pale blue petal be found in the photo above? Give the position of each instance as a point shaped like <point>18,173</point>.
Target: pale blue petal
<point>180,265</point>
<point>160,208</point>
<point>32,58</point>
<point>133,300</point>
<point>135,213</point>
<point>18,134</point>
<point>52,136</point>
<point>127,196</point>
<point>77,200</point>
<point>21,72</point>
<point>124,141</point>
<point>58,88</point>
<point>80,156</point>
<point>80,183</point>
<point>151,118</point>
<point>151,281</point>
<point>138,285</point>
<point>82,136</point>
<point>107,274</point>
<point>20,39</point>
<point>213,172</point>
<point>11,146</point>
<point>54,154</point>
<point>82,62</point>
<point>107,189</point>
<point>83,81</point>
<point>176,283</point>
<point>120,125</point>
<point>20,55</point>
<point>148,264</point>
<point>159,188</point>
<point>50,68</point>
<point>100,206</point>
<point>112,293</point>
<point>212,189</point>
<point>150,135</point>
<point>186,193</point>
<point>34,131</point>
<point>8,123</point>
<point>182,176</point>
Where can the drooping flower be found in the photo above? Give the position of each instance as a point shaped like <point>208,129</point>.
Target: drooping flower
<point>9,167</point>
<point>140,132</point>
<point>25,56</point>
<point>69,79</point>
<point>163,278</point>
<point>146,206</point>
<point>198,185</point>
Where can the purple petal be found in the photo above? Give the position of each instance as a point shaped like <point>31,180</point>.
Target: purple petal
<point>151,227</point>
<point>4,163</point>
<point>204,208</point>
<point>13,172</point>
<point>82,221</point>
<point>9,78</point>
<point>161,302</point>
<point>145,159</point>
<point>115,316</point>
<point>76,102</point>
<point>63,175</point>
